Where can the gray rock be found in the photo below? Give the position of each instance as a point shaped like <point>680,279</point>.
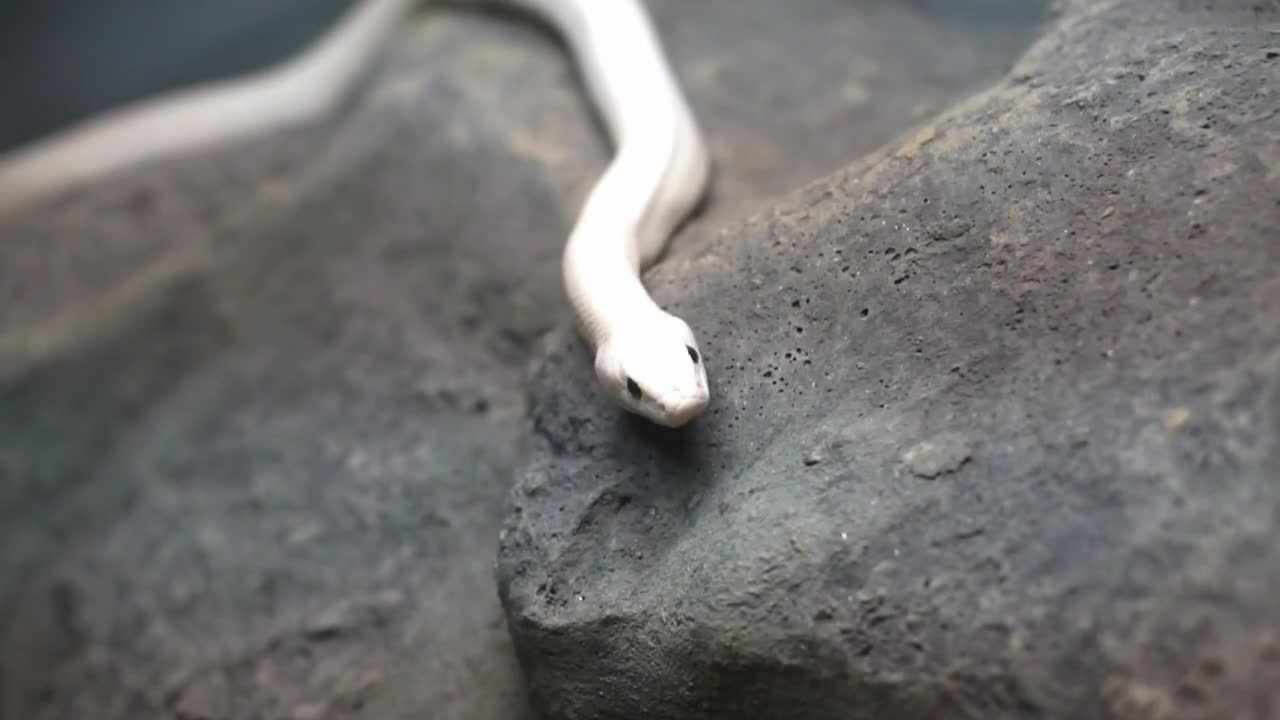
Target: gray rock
<point>260,410</point>
<point>1078,271</point>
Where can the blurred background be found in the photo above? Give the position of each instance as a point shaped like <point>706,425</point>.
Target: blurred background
<point>65,61</point>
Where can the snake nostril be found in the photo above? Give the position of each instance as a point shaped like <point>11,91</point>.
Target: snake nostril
<point>633,388</point>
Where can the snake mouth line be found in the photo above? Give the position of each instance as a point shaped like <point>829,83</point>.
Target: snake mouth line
<point>680,413</point>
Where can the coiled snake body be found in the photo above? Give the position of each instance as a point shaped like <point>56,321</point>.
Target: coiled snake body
<point>646,360</point>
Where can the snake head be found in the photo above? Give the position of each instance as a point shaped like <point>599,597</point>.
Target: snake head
<point>655,371</point>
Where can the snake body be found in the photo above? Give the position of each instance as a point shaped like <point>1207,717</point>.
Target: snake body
<point>646,360</point>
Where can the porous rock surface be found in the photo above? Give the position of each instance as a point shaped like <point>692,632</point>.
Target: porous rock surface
<point>260,410</point>
<point>994,424</point>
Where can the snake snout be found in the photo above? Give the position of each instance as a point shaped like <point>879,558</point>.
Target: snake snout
<point>677,410</point>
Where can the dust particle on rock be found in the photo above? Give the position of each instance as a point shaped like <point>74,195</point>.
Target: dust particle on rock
<point>312,711</point>
<point>1177,419</point>
<point>330,622</point>
<point>203,700</point>
<point>941,455</point>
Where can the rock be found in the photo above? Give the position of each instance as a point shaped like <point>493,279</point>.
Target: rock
<point>1075,270</point>
<point>260,410</point>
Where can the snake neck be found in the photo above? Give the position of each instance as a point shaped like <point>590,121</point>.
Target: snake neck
<point>602,280</point>
<point>659,171</point>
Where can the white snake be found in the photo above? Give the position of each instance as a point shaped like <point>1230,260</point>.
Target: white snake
<point>646,359</point>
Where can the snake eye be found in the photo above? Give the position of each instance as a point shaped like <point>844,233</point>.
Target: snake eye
<point>693,354</point>
<point>634,388</point>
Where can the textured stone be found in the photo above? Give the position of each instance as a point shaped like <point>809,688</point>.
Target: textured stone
<point>259,410</point>
<point>1077,272</point>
